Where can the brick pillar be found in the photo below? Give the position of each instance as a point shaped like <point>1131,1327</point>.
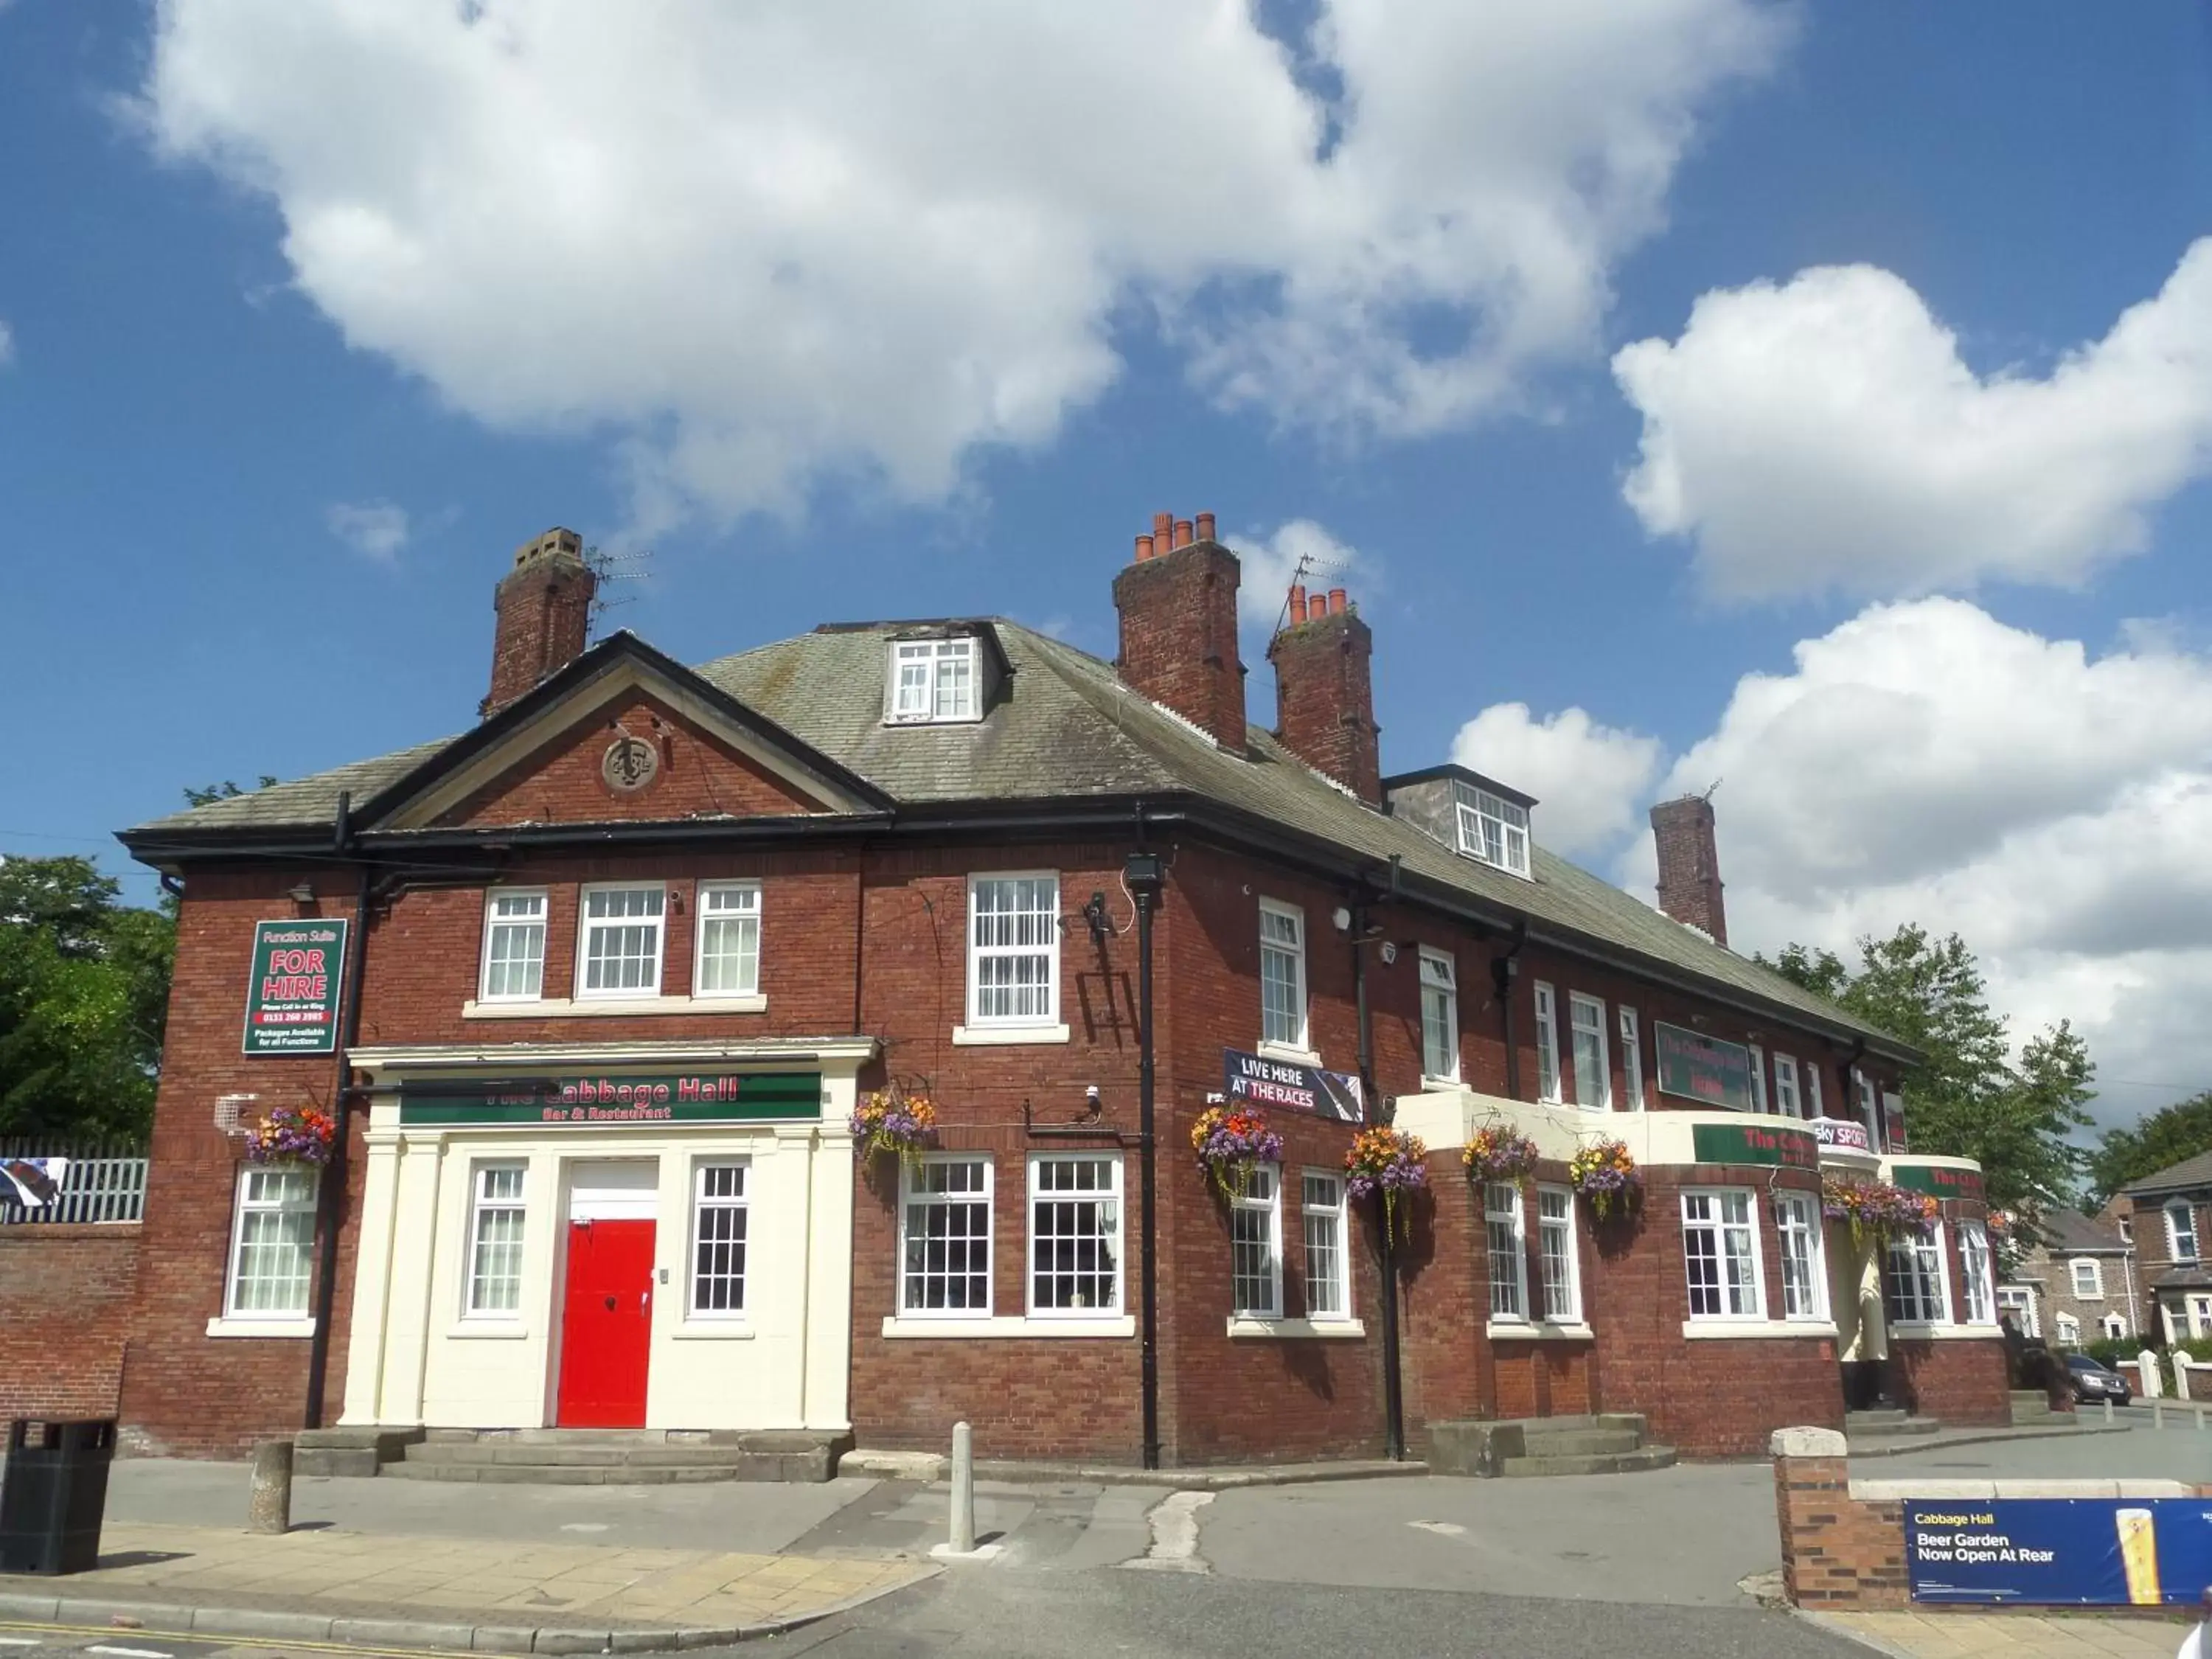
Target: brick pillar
<point>1690,865</point>
<point>1178,605</point>
<point>1836,1552</point>
<point>544,606</point>
<point>1325,693</point>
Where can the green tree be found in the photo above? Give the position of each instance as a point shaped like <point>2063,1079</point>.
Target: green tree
<point>84,993</point>
<point>2167,1136</point>
<point>1969,1098</point>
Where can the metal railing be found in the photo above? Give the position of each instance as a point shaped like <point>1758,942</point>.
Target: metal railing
<point>101,1184</point>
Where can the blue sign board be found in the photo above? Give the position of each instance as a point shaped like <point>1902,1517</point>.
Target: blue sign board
<point>2086,1552</point>
<point>1264,1082</point>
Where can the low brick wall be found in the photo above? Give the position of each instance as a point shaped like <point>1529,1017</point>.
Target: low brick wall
<point>1843,1541</point>
<point>65,1295</point>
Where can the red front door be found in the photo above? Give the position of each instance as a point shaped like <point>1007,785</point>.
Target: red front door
<point>606,1327</point>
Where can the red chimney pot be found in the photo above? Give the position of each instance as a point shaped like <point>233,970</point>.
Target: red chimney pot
<point>1205,527</point>
<point>1144,549</point>
<point>1298,606</point>
<point>1336,602</point>
<point>1182,532</point>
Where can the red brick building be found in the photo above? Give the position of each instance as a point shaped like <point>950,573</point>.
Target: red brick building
<point>621,961</point>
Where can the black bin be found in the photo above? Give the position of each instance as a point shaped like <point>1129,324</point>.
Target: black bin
<point>53,1495</point>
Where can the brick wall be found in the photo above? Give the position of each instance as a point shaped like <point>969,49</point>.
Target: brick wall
<point>65,1295</point>
<point>1836,1552</point>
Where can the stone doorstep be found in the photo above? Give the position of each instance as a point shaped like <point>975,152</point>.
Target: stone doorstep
<point>931,1467</point>
<point>109,1613</point>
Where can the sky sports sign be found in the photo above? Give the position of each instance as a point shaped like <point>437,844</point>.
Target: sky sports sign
<point>292,999</point>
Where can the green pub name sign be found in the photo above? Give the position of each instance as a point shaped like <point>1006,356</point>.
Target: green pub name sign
<point>1938,1180</point>
<point>292,999</point>
<point>1754,1143</point>
<point>674,1098</point>
<point>1702,1068</point>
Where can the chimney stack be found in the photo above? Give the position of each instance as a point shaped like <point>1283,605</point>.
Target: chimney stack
<point>1178,605</point>
<point>1325,692</point>
<point>1690,865</point>
<point>544,606</point>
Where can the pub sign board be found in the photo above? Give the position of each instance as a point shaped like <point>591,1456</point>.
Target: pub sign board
<point>1938,1180</point>
<point>2059,1551</point>
<point>686,1098</point>
<point>1755,1144</point>
<point>292,999</point>
<point>1702,1068</point>
<point>1259,1081</point>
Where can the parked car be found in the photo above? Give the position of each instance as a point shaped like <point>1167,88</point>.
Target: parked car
<point>2093,1381</point>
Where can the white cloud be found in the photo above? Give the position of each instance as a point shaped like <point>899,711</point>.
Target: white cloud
<point>6,345</point>
<point>1591,781</point>
<point>1826,435</point>
<point>760,247</point>
<point>1925,763</point>
<point>375,530</point>
<point>1270,561</point>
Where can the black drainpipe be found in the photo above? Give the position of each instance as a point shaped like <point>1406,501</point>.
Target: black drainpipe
<point>329,1196</point>
<point>1143,874</point>
<point>1502,972</point>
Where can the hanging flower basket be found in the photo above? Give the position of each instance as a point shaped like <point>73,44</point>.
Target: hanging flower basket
<point>1876,1209</point>
<point>1386,1161</point>
<point>889,1121</point>
<point>1499,1153</point>
<point>1605,1174</point>
<point>292,1135</point>
<point>1230,1145</point>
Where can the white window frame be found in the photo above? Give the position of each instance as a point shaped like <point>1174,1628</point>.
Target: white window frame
<point>250,1200</point>
<point>1718,1222</point>
<point>1117,1308</point>
<point>706,916</point>
<point>1491,829</point>
<point>1869,1105</point>
<point>1566,1308</point>
<point>2018,1298</point>
<point>483,1204</point>
<point>703,1204</point>
<point>1631,1054</point>
<point>2060,1332</point>
<point>1439,992</point>
<point>2096,1290</point>
<point>1505,1237</point>
<point>1330,1210</point>
<point>1049,953</point>
<point>496,924</point>
<point>1577,1006</point>
<point>1758,1078</point>
<point>2115,1327</point>
<point>1814,1106</point>
<point>1295,951</point>
<point>910,1200</point>
<point>587,926</point>
<point>2175,1231</point>
<point>1789,1102</point>
<point>1797,1223</point>
<point>939,660</point>
<point>1923,1249</point>
<point>1978,1283</point>
<point>1547,1045</point>
<point>1265,1210</point>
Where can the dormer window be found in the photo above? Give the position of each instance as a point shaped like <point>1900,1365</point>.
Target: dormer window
<point>934,680</point>
<point>1492,830</point>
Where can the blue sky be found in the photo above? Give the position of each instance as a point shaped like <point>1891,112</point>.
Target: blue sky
<point>912,314</point>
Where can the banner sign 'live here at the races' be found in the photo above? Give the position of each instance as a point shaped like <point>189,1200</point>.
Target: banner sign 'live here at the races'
<point>292,1000</point>
<point>1260,1081</point>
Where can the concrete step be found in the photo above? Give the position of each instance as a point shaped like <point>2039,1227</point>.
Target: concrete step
<point>1580,1443</point>
<point>2041,1417</point>
<point>1622,1462</point>
<point>1904,1428</point>
<point>635,1455</point>
<point>556,1475</point>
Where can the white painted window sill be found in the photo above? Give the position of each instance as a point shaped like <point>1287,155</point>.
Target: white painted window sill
<point>985,1036</point>
<point>301,1326</point>
<point>1290,1330</point>
<point>1921,1331</point>
<point>1430,1082</point>
<point>1518,1330</point>
<point>1010,1325</point>
<point>712,1330</point>
<point>1755,1330</point>
<point>1284,1051</point>
<point>489,1330</point>
<point>597,1007</point>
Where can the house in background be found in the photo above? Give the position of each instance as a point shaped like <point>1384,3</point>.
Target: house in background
<point>2173,1208</point>
<point>2076,1282</point>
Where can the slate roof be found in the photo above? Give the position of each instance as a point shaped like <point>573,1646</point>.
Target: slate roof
<point>2190,1172</point>
<point>2068,1232</point>
<point>1067,727</point>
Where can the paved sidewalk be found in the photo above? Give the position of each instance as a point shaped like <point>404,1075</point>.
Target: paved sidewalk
<point>503,1596</point>
<point>2013,1635</point>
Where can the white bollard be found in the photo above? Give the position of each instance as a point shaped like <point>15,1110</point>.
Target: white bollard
<point>963,1541</point>
<point>2158,1413</point>
<point>2147,1368</point>
<point>2108,1411</point>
